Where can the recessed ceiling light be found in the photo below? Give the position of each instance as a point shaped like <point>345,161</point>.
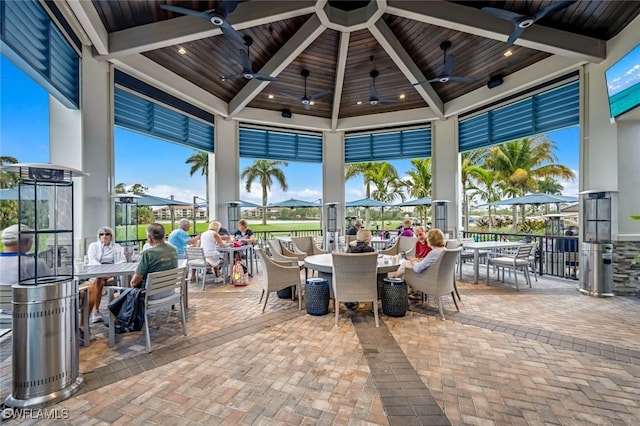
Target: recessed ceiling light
<point>402,96</point>
<point>270,96</point>
<point>312,103</point>
<point>359,103</point>
<point>223,78</point>
<point>182,50</point>
<point>508,53</point>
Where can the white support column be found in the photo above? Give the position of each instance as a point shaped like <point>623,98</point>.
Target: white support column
<point>84,140</point>
<point>333,176</point>
<point>224,169</point>
<point>445,183</point>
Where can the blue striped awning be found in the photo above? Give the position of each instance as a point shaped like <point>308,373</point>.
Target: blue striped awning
<point>277,145</point>
<point>414,143</point>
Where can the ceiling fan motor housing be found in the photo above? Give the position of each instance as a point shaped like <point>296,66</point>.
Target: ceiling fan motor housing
<point>216,20</point>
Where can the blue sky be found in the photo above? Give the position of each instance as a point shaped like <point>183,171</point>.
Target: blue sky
<point>24,124</point>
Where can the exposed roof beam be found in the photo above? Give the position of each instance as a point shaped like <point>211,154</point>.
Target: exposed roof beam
<point>88,17</point>
<point>150,72</point>
<point>341,65</point>
<point>545,70</point>
<point>399,55</point>
<point>278,62</point>
<point>188,28</point>
<point>386,119</point>
<point>473,21</point>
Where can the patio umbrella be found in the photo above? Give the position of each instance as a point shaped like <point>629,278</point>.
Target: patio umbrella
<point>535,198</point>
<point>293,203</point>
<point>366,202</point>
<point>424,201</point>
<point>243,204</point>
<point>152,200</point>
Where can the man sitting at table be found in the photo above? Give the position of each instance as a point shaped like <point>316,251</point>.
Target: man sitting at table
<point>180,238</point>
<point>103,251</point>
<point>355,228</point>
<point>15,263</point>
<point>160,257</point>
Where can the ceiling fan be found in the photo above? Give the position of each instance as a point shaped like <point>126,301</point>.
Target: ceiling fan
<point>307,101</point>
<point>447,69</point>
<point>247,67</point>
<point>217,17</point>
<point>522,22</point>
<point>373,92</point>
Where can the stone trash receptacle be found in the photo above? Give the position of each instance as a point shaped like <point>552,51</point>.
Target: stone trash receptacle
<point>395,300</point>
<point>316,296</point>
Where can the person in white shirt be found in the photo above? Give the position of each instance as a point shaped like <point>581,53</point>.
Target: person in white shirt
<point>210,240</point>
<point>105,250</point>
<point>15,264</point>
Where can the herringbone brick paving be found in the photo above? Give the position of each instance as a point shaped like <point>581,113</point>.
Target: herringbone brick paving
<point>546,355</point>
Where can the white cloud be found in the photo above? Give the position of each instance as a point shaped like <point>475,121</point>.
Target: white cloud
<point>571,186</point>
<point>179,193</point>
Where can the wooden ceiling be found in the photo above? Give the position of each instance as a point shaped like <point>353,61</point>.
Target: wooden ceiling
<point>401,43</point>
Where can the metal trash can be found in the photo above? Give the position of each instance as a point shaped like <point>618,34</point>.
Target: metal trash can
<point>316,296</point>
<point>395,300</point>
<point>45,343</point>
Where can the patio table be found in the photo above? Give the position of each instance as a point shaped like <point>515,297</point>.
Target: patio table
<point>486,246</point>
<point>324,263</point>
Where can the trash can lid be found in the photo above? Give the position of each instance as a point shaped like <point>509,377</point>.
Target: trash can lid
<point>394,281</point>
<point>316,280</point>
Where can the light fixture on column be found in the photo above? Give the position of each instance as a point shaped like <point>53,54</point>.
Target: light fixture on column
<point>233,215</point>
<point>440,215</point>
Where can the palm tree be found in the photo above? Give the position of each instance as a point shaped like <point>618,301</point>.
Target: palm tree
<point>8,179</point>
<point>264,171</point>
<point>522,162</point>
<point>549,185</point>
<point>388,186</point>
<point>419,183</point>
<point>485,187</point>
<point>468,160</point>
<point>369,172</point>
<point>200,161</point>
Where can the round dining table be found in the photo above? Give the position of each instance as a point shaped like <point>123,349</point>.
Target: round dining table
<point>324,263</point>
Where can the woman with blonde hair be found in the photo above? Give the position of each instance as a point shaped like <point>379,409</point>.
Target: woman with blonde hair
<point>210,240</point>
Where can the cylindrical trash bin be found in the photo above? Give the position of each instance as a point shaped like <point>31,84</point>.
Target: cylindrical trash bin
<point>395,300</point>
<point>316,296</point>
<point>45,343</point>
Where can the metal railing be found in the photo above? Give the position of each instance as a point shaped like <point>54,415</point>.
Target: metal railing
<point>555,255</point>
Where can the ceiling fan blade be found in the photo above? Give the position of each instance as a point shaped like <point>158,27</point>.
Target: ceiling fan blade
<point>553,8</point>
<point>227,7</point>
<point>517,32</point>
<point>386,101</point>
<point>287,95</point>
<point>245,61</point>
<point>421,82</point>
<point>449,62</point>
<point>456,79</point>
<point>231,32</point>
<point>320,95</point>
<point>185,11</point>
<point>435,80</point>
<point>264,77</point>
<point>306,106</point>
<point>502,14</point>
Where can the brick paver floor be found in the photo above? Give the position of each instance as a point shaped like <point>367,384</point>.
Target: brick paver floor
<point>546,355</point>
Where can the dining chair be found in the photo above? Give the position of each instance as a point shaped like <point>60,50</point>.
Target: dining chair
<point>278,276</point>
<point>306,245</point>
<point>277,253</point>
<point>467,255</point>
<point>164,290</point>
<point>286,251</point>
<point>436,279</point>
<point>6,304</point>
<point>518,260</point>
<point>196,261</point>
<point>355,278</point>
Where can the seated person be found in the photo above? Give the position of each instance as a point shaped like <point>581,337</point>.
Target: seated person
<point>15,263</point>
<point>180,238</point>
<point>224,234</point>
<point>103,251</point>
<point>244,234</point>
<point>435,242</point>
<point>406,230</point>
<point>210,240</point>
<point>355,228</point>
<point>160,257</point>
<point>362,243</point>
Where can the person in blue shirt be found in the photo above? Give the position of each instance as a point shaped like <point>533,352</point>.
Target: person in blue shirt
<point>180,238</point>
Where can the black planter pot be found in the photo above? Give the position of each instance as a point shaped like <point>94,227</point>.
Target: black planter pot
<point>285,293</point>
